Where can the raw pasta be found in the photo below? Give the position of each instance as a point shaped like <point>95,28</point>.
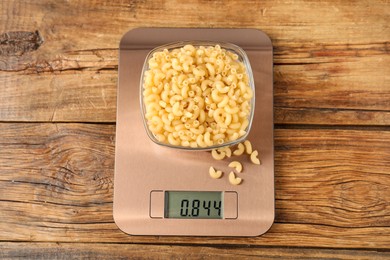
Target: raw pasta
<point>196,96</point>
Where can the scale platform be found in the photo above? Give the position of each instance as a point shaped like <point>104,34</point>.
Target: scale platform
<point>150,178</point>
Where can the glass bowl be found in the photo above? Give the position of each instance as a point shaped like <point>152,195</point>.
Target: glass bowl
<point>242,57</point>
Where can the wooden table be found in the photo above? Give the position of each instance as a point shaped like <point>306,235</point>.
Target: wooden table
<point>58,80</point>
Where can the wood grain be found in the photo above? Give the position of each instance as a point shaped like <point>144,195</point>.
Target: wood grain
<point>140,251</point>
<point>328,71</point>
<point>332,187</point>
<point>58,78</point>
<point>330,116</point>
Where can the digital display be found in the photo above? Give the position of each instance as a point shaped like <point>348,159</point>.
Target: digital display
<point>194,204</point>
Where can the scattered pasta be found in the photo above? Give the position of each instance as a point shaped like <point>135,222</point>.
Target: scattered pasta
<point>240,149</point>
<point>196,96</point>
<point>233,179</point>
<point>215,174</point>
<point>236,165</point>
<point>254,158</point>
<point>221,153</point>
<point>217,155</point>
<point>248,146</point>
<point>226,150</point>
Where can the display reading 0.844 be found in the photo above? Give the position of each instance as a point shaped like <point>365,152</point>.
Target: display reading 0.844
<point>193,204</point>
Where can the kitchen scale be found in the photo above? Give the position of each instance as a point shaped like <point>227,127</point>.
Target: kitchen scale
<point>164,191</point>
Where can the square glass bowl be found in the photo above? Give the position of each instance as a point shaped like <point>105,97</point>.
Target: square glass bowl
<point>242,57</point>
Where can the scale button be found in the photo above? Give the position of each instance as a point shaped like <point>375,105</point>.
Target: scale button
<point>230,205</point>
<point>156,204</point>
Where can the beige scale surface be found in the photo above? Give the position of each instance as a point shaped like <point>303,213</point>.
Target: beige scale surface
<point>145,171</point>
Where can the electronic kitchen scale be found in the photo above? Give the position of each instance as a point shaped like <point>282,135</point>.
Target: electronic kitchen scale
<point>164,191</point>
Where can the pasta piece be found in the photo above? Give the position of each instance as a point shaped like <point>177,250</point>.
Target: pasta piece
<point>254,158</point>
<point>233,179</point>
<point>218,155</point>
<point>215,174</point>
<point>248,147</point>
<point>200,141</point>
<point>240,149</point>
<point>172,140</point>
<point>236,165</point>
<point>226,150</point>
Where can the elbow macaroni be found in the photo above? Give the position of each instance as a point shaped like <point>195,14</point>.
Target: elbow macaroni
<point>196,96</point>
<point>220,153</point>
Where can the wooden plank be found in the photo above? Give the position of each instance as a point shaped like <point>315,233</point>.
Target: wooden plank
<point>330,57</point>
<point>350,83</point>
<point>140,251</point>
<point>88,96</point>
<point>346,22</point>
<point>330,116</point>
<point>332,187</point>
